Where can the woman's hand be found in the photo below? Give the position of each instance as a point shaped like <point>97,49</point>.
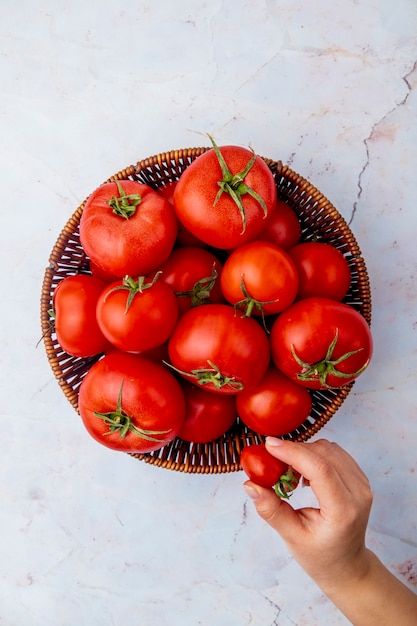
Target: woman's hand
<point>328,542</point>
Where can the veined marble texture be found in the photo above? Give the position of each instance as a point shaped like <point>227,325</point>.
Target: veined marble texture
<point>93,537</point>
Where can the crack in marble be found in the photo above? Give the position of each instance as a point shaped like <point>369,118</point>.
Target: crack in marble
<point>410,84</point>
<point>243,523</point>
<point>279,612</point>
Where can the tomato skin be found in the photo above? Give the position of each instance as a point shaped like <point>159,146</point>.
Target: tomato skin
<point>131,246</point>
<point>98,272</point>
<point>310,326</point>
<point>184,237</point>
<point>220,224</point>
<point>184,268</point>
<point>150,395</point>
<point>283,228</point>
<point>167,191</point>
<point>74,301</point>
<point>261,467</point>
<point>323,270</point>
<point>207,415</point>
<point>276,406</point>
<point>269,275</point>
<point>236,345</point>
<point>148,321</point>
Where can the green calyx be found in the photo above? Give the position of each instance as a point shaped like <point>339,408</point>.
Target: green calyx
<point>200,293</point>
<point>286,484</point>
<point>320,370</point>
<point>234,185</point>
<point>124,205</point>
<point>134,287</point>
<point>121,423</point>
<point>248,303</point>
<point>212,374</point>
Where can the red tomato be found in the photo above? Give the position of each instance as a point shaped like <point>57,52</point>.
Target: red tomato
<point>276,406</point>
<point>130,403</point>
<point>207,415</point>
<point>194,275</point>
<point>259,278</point>
<point>265,470</point>
<point>323,270</point>
<point>127,228</point>
<point>283,228</point>
<point>184,237</point>
<point>137,315</point>
<point>159,354</point>
<point>101,274</point>
<point>167,191</point>
<point>74,301</point>
<point>321,343</point>
<point>220,349</point>
<point>225,195</point>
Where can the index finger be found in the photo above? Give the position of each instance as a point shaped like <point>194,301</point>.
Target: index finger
<point>327,467</point>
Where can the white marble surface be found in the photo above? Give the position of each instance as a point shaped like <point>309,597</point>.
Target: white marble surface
<point>94,538</point>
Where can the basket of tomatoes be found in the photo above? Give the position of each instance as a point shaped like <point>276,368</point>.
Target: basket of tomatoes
<point>201,300</point>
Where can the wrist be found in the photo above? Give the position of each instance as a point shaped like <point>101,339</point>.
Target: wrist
<point>351,573</point>
<point>366,598</point>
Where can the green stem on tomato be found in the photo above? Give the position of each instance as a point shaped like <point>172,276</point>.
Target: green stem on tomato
<point>248,303</point>
<point>121,423</point>
<point>124,205</point>
<point>312,372</point>
<point>200,293</point>
<point>212,374</point>
<point>134,287</point>
<point>286,484</point>
<point>234,185</point>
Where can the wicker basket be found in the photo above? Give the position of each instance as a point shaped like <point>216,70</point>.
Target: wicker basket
<point>318,218</point>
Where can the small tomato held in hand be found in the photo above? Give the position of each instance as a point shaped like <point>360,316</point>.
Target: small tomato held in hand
<point>265,470</point>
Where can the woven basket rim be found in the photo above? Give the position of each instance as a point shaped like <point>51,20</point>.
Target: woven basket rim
<point>222,455</point>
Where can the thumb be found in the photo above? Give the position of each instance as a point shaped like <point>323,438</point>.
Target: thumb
<point>276,512</point>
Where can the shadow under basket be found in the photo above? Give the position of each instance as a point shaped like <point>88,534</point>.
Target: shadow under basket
<point>319,220</point>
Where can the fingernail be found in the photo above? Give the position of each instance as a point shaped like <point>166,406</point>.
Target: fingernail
<point>251,492</point>
<point>274,442</point>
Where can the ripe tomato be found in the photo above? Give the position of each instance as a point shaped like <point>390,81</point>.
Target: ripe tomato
<point>265,470</point>
<point>259,278</point>
<point>74,301</point>
<point>207,415</point>
<point>283,228</point>
<point>321,343</point>
<point>276,406</point>
<point>127,228</point>
<point>194,276</point>
<point>213,346</point>
<point>167,191</point>
<point>184,237</point>
<point>323,270</point>
<point>98,272</point>
<point>225,195</point>
<point>130,403</point>
<point>137,315</point>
